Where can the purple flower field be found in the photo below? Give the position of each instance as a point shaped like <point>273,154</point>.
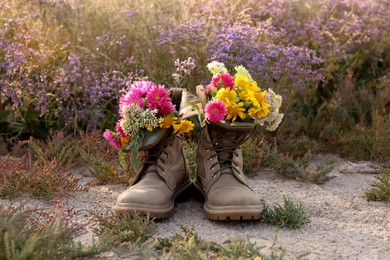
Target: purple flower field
<point>64,64</point>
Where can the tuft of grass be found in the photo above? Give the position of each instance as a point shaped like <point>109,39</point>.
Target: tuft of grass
<point>22,238</point>
<point>45,180</point>
<point>191,246</point>
<point>285,165</point>
<point>300,146</point>
<point>57,147</point>
<point>113,231</point>
<point>289,214</point>
<point>380,189</point>
<point>320,175</point>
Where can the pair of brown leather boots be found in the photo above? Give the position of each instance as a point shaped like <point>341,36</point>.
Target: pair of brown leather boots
<point>164,172</point>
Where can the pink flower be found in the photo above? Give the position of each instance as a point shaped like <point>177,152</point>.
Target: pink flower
<point>135,95</point>
<point>207,89</point>
<point>119,129</point>
<point>143,86</point>
<point>223,81</point>
<point>108,135</point>
<point>158,98</point>
<point>215,110</point>
<point>166,108</point>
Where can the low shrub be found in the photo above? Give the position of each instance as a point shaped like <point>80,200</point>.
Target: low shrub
<point>289,214</point>
<point>380,189</point>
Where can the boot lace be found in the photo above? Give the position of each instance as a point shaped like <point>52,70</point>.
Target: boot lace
<point>225,152</point>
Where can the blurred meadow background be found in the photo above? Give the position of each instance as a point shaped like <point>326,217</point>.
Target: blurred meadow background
<point>64,65</point>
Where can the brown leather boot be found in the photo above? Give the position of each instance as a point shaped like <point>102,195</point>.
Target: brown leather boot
<point>164,172</point>
<point>220,177</point>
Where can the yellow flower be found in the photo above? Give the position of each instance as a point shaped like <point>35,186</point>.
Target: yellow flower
<point>167,122</point>
<point>253,86</point>
<point>259,112</point>
<point>184,126</point>
<point>241,81</point>
<point>125,140</point>
<point>249,96</point>
<point>235,109</point>
<point>226,93</point>
<point>148,127</point>
<point>260,96</point>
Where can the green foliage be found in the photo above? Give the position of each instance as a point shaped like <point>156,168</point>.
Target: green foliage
<point>22,238</point>
<point>289,214</point>
<point>380,189</point>
<point>190,148</point>
<point>296,165</point>
<point>191,246</point>
<point>285,165</point>
<point>114,231</point>
<point>299,146</point>
<point>320,175</point>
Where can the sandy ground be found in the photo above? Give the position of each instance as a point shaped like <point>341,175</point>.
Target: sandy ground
<point>343,224</point>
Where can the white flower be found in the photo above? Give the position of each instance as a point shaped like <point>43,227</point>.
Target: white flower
<point>216,68</point>
<point>134,119</point>
<point>176,78</point>
<point>274,118</point>
<point>274,124</point>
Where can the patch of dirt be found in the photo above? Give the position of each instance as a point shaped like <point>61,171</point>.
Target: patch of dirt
<point>343,224</point>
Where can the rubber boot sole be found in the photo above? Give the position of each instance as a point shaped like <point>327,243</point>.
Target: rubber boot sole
<point>226,213</point>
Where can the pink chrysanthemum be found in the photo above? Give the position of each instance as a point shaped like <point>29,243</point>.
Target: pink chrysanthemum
<point>223,81</point>
<point>111,138</point>
<point>215,110</point>
<point>119,129</point>
<point>166,108</point>
<point>208,88</point>
<point>135,95</point>
<point>158,98</point>
<point>144,86</point>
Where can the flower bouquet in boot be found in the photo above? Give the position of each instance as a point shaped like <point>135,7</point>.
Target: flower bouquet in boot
<point>151,119</point>
<point>233,105</point>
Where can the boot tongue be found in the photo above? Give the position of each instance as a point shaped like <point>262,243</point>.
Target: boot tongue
<point>230,136</point>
